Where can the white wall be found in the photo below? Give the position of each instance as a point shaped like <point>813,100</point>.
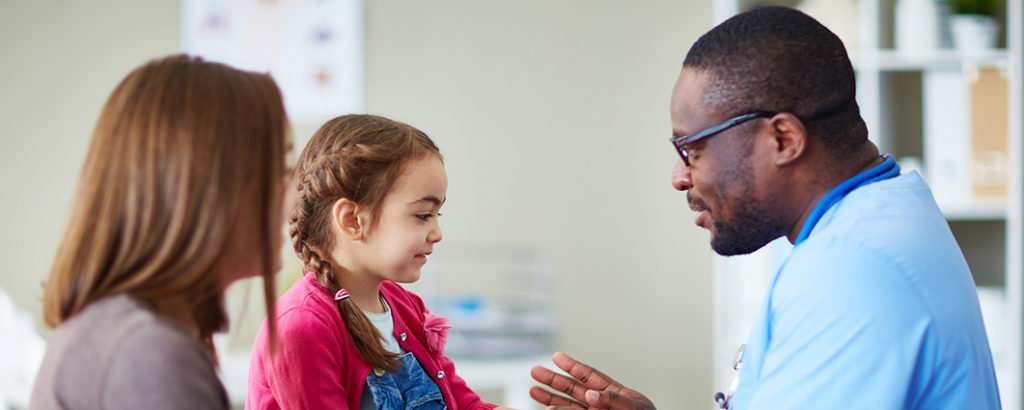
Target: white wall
<point>60,60</point>
<point>553,116</point>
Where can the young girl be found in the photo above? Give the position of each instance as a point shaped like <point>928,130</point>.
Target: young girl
<point>179,196</point>
<point>369,194</point>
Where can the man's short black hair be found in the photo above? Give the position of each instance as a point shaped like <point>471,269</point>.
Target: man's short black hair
<point>781,60</point>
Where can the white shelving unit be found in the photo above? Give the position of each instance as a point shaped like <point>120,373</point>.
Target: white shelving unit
<point>991,233</point>
<point>892,60</point>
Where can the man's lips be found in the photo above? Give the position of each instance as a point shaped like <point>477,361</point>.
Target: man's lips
<point>698,206</point>
<point>701,219</point>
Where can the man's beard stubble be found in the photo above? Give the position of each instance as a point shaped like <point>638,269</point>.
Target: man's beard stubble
<point>753,223</point>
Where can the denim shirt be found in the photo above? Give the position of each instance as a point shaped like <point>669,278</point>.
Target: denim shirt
<point>409,388</point>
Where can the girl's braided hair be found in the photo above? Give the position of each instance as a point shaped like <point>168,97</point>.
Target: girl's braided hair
<point>357,157</point>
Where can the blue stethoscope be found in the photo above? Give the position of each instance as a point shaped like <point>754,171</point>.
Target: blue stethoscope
<point>887,169</point>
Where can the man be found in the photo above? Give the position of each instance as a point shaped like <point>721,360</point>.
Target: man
<point>875,307</point>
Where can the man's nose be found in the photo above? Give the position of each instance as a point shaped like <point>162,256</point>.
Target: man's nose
<point>681,176</point>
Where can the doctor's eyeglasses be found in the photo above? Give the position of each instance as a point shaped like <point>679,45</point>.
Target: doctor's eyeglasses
<point>682,141</point>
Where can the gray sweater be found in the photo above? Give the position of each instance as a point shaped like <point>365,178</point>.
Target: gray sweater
<point>117,354</point>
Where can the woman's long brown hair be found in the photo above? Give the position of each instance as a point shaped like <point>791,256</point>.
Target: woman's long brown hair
<point>357,157</point>
<point>185,155</point>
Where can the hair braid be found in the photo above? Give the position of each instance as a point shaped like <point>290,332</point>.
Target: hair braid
<point>356,157</point>
<point>314,192</point>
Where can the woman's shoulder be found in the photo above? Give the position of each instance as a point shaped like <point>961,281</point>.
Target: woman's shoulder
<point>115,322</point>
<point>132,331</point>
<point>158,364</point>
<point>117,349</point>
<point>151,343</point>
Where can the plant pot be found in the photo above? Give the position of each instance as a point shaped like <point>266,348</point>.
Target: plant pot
<point>918,26</point>
<point>974,33</point>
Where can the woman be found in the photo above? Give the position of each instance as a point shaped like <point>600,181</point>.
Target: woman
<point>181,194</point>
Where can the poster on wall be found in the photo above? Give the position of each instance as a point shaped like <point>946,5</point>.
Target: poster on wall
<point>312,48</point>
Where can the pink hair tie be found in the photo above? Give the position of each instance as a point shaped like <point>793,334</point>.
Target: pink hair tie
<point>341,295</point>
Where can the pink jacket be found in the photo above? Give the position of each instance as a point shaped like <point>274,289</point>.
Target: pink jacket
<point>317,366</point>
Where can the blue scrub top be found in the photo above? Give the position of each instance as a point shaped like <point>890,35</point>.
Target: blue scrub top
<point>875,309</point>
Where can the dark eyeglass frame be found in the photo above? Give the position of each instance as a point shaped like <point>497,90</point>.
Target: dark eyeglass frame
<point>681,141</point>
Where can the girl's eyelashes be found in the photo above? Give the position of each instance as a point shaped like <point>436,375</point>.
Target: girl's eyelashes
<point>426,217</point>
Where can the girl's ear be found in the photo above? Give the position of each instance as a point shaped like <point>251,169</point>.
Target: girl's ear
<point>347,219</point>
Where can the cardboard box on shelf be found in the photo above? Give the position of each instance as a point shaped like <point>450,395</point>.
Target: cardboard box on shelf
<point>965,144</point>
<point>988,91</point>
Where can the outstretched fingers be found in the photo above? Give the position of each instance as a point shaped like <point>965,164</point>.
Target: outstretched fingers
<point>589,377</point>
<point>558,382</point>
<point>547,398</point>
<point>585,388</point>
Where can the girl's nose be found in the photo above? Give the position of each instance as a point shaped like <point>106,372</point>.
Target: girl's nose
<point>435,234</point>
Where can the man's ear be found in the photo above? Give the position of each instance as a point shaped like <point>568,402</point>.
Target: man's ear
<point>345,218</point>
<point>789,138</point>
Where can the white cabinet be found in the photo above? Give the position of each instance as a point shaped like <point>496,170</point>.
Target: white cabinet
<point>906,99</point>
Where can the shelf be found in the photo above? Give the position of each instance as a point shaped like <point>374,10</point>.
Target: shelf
<point>895,60</point>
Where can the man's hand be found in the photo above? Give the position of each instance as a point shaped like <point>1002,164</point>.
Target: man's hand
<point>588,388</point>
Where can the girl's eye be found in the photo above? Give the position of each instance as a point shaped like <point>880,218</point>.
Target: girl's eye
<point>426,217</point>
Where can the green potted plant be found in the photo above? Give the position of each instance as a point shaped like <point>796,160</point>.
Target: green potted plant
<point>979,7</point>
<point>973,24</point>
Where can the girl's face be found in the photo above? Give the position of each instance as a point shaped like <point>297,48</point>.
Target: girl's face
<point>398,243</point>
